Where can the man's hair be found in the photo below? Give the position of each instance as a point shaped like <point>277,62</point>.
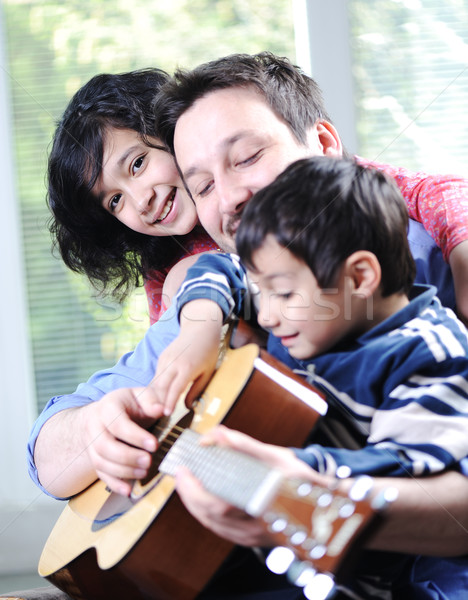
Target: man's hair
<point>293,96</point>
<point>90,239</point>
<point>322,210</point>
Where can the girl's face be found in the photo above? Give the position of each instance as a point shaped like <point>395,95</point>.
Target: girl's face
<point>142,188</point>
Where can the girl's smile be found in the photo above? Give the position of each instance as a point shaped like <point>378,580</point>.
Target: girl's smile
<point>141,187</point>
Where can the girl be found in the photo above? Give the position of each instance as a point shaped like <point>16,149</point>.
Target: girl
<point>121,214</point>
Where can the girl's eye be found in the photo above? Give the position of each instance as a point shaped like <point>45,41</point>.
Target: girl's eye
<point>114,201</point>
<point>137,164</point>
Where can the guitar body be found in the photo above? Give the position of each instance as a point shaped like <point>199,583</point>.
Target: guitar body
<point>106,546</point>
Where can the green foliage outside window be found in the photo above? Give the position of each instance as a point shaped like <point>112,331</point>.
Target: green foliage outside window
<point>410,74</point>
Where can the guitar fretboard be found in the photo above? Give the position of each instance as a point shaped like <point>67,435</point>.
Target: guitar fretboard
<point>241,480</point>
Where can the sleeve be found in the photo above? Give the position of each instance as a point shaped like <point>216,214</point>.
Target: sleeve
<point>439,202</point>
<point>419,429</point>
<point>217,277</point>
<point>134,369</point>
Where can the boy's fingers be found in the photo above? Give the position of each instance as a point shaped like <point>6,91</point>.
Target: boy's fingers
<point>149,400</point>
<point>196,390</point>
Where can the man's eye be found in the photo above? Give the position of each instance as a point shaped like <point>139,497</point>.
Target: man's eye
<point>114,201</point>
<point>251,159</point>
<point>205,190</point>
<point>137,164</point>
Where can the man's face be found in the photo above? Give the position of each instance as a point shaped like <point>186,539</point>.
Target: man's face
<point>229,145</point>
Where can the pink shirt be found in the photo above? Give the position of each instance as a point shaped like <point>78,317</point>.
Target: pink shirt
<point>195,242</point>
<point>439,202</point>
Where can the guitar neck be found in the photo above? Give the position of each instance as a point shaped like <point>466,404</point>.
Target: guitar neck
<point>319,524</point>
<point>237,478</point>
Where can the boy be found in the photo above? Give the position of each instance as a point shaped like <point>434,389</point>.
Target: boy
<point>326,244</point>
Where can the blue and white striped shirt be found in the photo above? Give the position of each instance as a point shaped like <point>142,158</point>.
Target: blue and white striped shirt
<point>400,390</point>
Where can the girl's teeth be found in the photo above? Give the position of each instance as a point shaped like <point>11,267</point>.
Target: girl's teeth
<point>166,211</point>
<point>167,208</point>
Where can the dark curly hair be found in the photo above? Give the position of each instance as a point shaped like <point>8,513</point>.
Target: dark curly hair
<point>90,240</point>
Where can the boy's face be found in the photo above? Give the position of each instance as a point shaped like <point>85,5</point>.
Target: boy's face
<point>142,188</point>
<point>229,144</point>
<point>308,319</point>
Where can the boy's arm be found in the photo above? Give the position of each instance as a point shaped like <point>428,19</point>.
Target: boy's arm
<point>429,516</point>
<point>214,288</point>
<point>191,359</point>
<point>420,423</point>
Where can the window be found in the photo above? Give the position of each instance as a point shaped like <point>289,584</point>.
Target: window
<point>395,78</point>
<point>55,332</point>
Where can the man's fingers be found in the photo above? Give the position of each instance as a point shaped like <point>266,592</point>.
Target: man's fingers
<point>119,486</point>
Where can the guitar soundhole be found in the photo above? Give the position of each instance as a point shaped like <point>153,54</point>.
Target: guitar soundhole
<point>167,438</point>
<point>115,505</point>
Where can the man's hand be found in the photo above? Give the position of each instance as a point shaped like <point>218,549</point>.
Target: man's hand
<point>116,441</point>
<point>105,439</point>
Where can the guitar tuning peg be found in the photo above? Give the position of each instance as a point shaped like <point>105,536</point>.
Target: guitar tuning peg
<point>384,498</point>
<point>315,586</point>
<point>301,573</point>
<point>361,488</point>
<point>280,559</point>
<point>319,588</point>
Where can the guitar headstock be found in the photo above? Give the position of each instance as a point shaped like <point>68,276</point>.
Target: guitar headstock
<point>318,530</point>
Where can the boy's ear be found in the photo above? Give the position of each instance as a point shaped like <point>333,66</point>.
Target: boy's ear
<point>329,139</point>
<point>363,269</point>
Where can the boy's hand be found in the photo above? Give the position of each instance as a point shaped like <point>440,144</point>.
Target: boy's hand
<point>219,516</point>
<point>191,359</point>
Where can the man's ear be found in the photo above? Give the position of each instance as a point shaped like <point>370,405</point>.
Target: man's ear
<point>329,139</point>
<point>364,272</point>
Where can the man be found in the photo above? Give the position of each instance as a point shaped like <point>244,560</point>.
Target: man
<point>237,122</point>
<point>78,439</point>
<point>231,135</point>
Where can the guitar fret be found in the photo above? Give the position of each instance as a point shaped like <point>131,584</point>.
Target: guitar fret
<point>221,469</point>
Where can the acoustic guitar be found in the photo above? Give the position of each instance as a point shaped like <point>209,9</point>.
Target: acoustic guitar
<point>148,546</point>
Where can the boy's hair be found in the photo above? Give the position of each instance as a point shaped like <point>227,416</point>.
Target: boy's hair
<point>292,95</point>
<point>90,239</point>
<point>322,210</point>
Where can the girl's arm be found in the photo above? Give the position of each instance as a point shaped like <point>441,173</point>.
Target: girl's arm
<point>440,203</point>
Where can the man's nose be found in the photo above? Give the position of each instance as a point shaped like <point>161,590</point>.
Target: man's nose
<point>232,198</point>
